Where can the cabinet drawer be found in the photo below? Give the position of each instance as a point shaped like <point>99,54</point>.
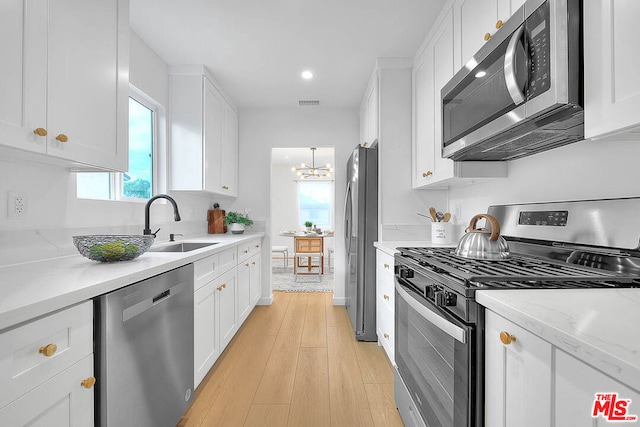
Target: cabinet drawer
<point>227,259</point>
<point>386,329</point>
<point>24,363</point>
<point>248,249</point>
<point>205,270</point>
<point>385,277</point>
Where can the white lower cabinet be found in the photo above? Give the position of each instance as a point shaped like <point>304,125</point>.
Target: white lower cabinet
<point>46,370</point>
<point>385,300</point>
<point>517,375</point>
<point>531,382</point>
<point>227,287</point>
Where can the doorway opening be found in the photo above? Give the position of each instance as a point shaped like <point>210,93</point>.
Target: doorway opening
<point>302,208</point>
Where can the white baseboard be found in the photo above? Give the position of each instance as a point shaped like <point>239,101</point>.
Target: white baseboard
<point>339,301</point>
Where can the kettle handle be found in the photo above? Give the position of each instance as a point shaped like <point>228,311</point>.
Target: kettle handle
<point>495,226</point>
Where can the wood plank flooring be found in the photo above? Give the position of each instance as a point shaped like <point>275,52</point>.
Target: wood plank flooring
<point>296,363</point>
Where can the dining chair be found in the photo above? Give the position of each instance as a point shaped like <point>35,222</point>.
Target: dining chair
<point>285,254</point>
<point>311,248</point>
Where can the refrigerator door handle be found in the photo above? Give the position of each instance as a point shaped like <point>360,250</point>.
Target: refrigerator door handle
<point>347,219</point>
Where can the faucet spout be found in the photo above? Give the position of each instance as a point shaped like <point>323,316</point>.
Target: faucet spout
<point>176,214</point>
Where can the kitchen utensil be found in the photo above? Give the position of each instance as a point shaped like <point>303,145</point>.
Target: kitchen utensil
<point>426,216</point>
<point>439,216</point>
<point>483,244</point>
<point>110,248</point>
<point>432,212</point>
<point>447,217</point>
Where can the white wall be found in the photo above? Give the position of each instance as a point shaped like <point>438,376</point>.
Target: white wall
<point>584,170</point>
<point>54,213</point>
<point>263,129</point>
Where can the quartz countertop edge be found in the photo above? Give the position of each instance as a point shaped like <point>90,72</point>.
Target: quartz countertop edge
<point>390,247</point>
<point>597,326</point>
<point>33,289</point>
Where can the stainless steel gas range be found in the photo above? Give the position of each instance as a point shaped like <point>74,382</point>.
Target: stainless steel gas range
<point>439,325</point>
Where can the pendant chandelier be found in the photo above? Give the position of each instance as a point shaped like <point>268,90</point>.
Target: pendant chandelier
<point>305,171</point>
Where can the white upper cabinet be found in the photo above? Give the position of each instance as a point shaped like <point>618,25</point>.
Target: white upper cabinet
<point>611,63</point>
<point>433,67</point>
<point>64,83</point>
<point>204,134</point>
<point>369,111</point>
<point>478,20</point>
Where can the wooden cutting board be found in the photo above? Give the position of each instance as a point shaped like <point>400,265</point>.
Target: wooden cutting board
<point>215,217</point>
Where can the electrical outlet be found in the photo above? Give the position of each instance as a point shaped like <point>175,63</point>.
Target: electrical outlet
<point>17,205</point>
<point>457,211</point>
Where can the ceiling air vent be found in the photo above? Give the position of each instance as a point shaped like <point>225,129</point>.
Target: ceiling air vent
<point>308,103</point>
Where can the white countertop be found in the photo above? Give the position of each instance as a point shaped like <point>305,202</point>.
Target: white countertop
<point>599,326</point>
<point>32,289</point>
<point>390,247</point>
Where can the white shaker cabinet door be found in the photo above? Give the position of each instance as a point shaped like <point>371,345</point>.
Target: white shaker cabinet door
<point>611,63</point>
<point>206,348</point>
<point>229,153</point>
<point>23,74</point>
<point>213,113</point>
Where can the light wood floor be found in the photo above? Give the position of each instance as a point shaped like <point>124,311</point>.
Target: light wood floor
<point>296,363</point>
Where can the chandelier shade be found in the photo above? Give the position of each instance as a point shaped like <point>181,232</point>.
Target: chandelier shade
<point>305,171</point>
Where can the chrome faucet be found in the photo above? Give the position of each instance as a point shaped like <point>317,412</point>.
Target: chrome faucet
<point>176,214</point>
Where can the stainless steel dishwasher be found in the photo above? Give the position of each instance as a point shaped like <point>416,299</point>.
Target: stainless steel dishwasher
<point>144,351</point>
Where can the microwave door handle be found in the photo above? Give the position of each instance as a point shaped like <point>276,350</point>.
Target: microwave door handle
<point>510,68</point>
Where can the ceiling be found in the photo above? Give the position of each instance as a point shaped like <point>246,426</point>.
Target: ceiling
<point>257,49</point>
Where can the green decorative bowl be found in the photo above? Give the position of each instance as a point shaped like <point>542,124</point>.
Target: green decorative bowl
<point>112,248</point>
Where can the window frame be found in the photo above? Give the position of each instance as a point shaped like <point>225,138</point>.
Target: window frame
<point>158,168</point>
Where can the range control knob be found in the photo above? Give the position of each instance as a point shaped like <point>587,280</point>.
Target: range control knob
<point>429,292</point>
<point>406,273</point>
<point>444,298</point>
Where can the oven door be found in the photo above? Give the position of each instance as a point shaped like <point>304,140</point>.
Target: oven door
<point>438,361</point>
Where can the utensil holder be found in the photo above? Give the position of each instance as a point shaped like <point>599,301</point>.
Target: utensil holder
<point>442,232</point>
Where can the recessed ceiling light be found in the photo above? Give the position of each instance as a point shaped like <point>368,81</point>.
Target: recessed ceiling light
<point>307,75</point>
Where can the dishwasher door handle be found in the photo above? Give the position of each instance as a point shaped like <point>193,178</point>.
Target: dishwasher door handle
<point>162,296</point>
<point>148,303</point>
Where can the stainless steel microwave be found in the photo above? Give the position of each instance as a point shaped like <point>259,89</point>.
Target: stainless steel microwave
<point>522,92</point>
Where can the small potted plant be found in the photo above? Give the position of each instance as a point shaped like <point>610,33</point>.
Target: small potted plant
<point>308,224</point>
<point>237,221</point>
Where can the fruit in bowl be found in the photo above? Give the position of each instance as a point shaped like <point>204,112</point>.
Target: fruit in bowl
<point>111,248</point>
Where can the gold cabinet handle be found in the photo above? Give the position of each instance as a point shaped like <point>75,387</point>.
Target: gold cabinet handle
<point>426,174</point>
<point>246,265</point>
<point>40,132</point>
<point>48,350</point>
<point>88,382</point>
<point>386,266</point>
<point>257,246</point>
<point>224,187</point>
<point>507,338</point>
<point>224,285</point>
<point>246,251</point>
<point>385,296</point>
<point>253,263</point>
<point>62,137</point>
<point>487,36</point>
<point>386,336</point>
<point>499,24</point>
<point>219,289</point>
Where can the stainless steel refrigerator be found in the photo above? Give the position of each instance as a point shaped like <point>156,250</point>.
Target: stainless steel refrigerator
<point>361,230</point>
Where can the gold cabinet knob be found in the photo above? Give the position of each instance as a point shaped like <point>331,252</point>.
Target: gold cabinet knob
<point>426,174</point>
<point>499,24</point>
<point>224,285</point>
<point>386,266</point>
<point>246,265</point>
<point>364,144</point>
<point>257,246</point>
<point>507,338</point>
<point>219,289</point>
<point>487,36</point>
<point>48,350</point>
<point>88,382</point>
<point>386,336</point>
<point>40,132</point>
<point>224,187</point>
<point>246,251</point>
<point>62,137</point>
<point>254,263</point>
<point>385,296</point>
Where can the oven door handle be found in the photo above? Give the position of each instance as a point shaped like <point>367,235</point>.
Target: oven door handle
<point>443,324</point>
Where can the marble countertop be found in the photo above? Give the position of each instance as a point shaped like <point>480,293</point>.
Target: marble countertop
<point>598,326</point>
<point>32,289</point>
<point>390,247</point>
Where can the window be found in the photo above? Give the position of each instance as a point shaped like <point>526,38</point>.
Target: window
<point>315,203</point>
<point>138,183</point>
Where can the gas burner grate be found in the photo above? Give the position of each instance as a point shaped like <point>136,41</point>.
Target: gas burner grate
<point>514,272</point>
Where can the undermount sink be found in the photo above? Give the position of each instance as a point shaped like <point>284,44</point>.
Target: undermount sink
<point>180,247</point>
